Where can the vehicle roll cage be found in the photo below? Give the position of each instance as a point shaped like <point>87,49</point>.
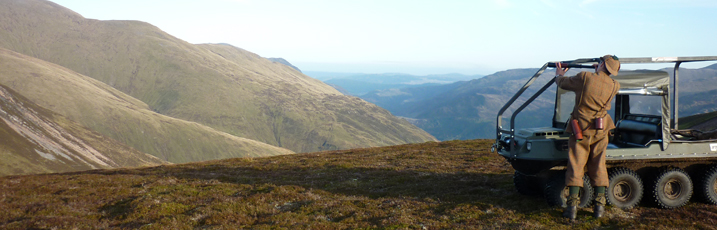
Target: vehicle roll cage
<point>587,63</point>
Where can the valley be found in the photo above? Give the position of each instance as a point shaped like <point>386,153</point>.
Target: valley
<point>180,102</point>
<point>467,109</point>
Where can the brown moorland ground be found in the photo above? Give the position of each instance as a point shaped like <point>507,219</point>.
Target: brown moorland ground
<point>446,185</point>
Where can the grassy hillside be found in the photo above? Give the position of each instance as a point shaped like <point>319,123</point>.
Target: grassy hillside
<point>449,185</point>
<point>218,85</point>
<point>36,140</point>
<point>108,111</point>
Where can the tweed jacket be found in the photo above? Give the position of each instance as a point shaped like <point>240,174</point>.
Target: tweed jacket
<point>593,95</point>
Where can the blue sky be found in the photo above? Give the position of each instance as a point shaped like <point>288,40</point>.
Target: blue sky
<point>429,37</point>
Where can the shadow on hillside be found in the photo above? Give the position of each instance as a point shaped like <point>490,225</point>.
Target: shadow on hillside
<point>476,188</point>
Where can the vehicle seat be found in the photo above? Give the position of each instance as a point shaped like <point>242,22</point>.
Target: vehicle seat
<point>637,130</point>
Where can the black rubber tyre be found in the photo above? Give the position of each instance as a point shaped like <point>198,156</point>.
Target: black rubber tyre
<point>625,189</point>
<point>527,185</point>
<point>556,193</point>
<point>672,188</point>
<point>706,187</point>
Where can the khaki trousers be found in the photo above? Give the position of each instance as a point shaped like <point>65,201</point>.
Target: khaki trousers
<point>588,153</point>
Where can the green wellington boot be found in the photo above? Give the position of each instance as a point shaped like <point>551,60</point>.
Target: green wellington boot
<point>571,211</point>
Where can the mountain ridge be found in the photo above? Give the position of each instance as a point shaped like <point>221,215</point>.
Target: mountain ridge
<point>221,86</point>
<point>116,115</point>
<point>285,62</point>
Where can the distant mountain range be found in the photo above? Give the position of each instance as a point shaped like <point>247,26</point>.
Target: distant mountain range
<point>468,109</point>
<point>179,102</point>
<point>461,110</point>
<point>359,84</point>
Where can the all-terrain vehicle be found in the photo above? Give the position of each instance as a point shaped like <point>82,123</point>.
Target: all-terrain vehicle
<point>647,157</point>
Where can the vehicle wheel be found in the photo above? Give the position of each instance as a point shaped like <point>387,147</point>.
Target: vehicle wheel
<point>672,189</point>
<point>625,189</point>
<point>527,185</point>
<point>556,193</point>
<point>706,187</point>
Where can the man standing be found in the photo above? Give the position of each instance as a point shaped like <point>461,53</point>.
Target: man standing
<point>593,94</point>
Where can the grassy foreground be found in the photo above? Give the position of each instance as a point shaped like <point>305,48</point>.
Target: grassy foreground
<point>447,185</point>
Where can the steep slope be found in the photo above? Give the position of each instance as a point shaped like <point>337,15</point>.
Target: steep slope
<point>305,113</point>
<point>220,86</point>
<point>36,140</point>
<point>119,116</point>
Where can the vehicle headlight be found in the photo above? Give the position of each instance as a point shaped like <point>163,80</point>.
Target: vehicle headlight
<point>529,145</point>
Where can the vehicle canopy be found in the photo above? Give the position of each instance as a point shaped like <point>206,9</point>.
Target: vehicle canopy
<point>632,82</point>
<point>639,82</point>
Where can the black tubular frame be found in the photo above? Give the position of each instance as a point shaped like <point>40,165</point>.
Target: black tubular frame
<point>580,63</point>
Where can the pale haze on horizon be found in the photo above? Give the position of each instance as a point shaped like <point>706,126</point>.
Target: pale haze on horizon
<point>428,37</point>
